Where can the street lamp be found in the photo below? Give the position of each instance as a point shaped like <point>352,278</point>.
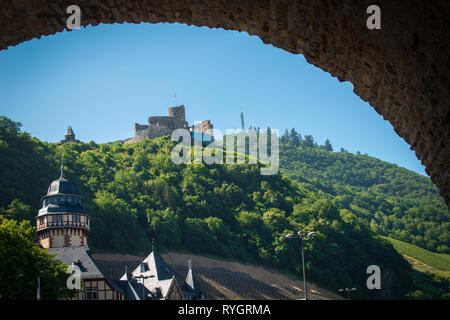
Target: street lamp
<point>348,290</point>
<point>302,236</point>
<point>143,287</point>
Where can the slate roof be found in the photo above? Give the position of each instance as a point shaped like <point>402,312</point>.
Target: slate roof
<point>81,257</point>
<point>62,186</point>
<point>192,284</point>
<point>61,208</point>
<point>68,255</point>
<point>65,191</point>
<point>157,275</point>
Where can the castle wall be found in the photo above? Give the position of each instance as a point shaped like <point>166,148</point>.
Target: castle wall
<point>160,121</point>
<point>139,128</point>
<point>164,125</point>
<point>165,122</point>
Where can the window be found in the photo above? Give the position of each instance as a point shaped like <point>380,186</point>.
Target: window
<point>59,218</point>
<point>91,294</point>
<point>88,294</point>
<point>78,219</point>
<point>74,218</point>
<point>94,293</point>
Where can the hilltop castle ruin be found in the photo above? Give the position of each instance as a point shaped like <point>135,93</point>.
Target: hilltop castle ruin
<point>159,126</point>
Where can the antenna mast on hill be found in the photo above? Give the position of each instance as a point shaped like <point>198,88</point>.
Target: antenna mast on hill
<point>242,120</point>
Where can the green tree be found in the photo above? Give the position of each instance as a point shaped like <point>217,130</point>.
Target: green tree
<point>135,192</point>
<point>285,137</point>
<point>294,138</point>
<point>164,226</point>
<point>19,211</point>
<point>22,262</point>
<point>309,141</point>
<point>328,145</point>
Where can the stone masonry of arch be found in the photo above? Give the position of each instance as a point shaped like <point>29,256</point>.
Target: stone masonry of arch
<point>402,70</point>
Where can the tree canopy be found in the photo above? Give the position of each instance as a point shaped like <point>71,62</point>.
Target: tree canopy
<point>394,201</point>
<point>135,193</point>
<point>22,262</point>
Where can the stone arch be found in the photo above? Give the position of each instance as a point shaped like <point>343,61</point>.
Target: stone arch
<point>401,70</point>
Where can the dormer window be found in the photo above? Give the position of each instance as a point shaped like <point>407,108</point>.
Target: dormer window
<point>144,267</point>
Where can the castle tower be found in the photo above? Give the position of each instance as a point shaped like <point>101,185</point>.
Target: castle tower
<point>70,136</point>
<point>62,220</point>
<point>178,113</point>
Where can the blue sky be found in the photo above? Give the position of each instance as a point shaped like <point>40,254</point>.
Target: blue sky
<point>101,80</point>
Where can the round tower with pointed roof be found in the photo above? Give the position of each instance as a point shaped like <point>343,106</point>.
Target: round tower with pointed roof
<point>62,220</point>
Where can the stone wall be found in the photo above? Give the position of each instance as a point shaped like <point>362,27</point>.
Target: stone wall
<point>166,122</point>
<point>402,70</point>
<point>139,128</point>
<point>177,113</point>
<point>159,126</point>
<point>58,239</point>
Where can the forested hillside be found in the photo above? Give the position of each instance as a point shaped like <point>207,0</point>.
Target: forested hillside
<point>393,201</point>
<point>135,193</point>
